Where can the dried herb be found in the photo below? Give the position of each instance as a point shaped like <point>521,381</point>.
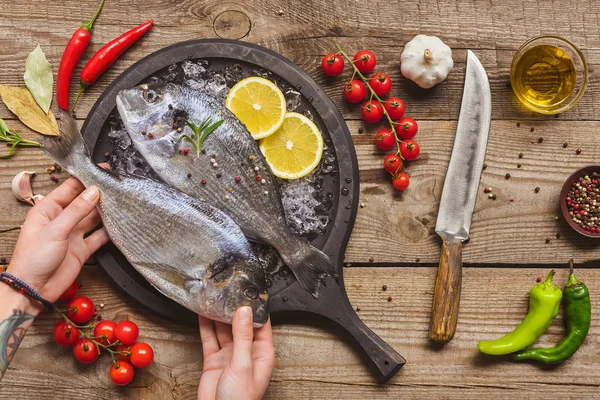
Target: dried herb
<point>201,132</point>
<point>23,105</point>
<point>13,139</point>
<point>38,78</point>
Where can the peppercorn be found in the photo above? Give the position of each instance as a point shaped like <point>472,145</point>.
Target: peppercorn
<point>484,166</point>
<point>186,151</point>
<point>203,181</point>
<point>540,140</point>
<point>532,129</point>
<point>565,145</point>
<point>537,189</point>
<point>357,308</point>
<point>384,288</point>
<point>494,197</point>
<point>558,235</point>
<point>547,240</point>
<point>150,136</point>
<point>487,189</point>
<point>507,176</point>
<point>219,174</point>
<point>521,155</point>
<point>238,178</point>
<point>360,130</point>
<point>518,124</point>
<point>578,151</point>
<point>518,165</point>
<point>389,298</point>
<point>189,175</point>
<point>371,259</point>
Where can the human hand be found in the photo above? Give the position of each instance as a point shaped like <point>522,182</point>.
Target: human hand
<point>238,360</point>
<point>51,248</point>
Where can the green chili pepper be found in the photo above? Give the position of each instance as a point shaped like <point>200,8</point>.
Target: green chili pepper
<point>578,316</point>
<point>544,300</point>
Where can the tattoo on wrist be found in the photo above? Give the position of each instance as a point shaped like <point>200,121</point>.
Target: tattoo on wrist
<point>11,334</point>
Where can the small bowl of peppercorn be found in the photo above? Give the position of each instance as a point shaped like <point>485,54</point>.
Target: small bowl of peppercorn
<point>580,201</point>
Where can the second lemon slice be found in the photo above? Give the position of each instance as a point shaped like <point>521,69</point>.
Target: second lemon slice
<point>259,104</point>
<point>295,149</point>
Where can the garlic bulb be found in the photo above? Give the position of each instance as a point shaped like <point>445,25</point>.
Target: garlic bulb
<point>426,60</point>
<point>21,187</point>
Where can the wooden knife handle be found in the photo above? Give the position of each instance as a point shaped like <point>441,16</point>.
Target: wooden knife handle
<point>446,296</point>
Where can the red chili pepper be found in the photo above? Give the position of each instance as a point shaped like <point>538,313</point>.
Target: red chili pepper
<point>73,52</point>
<point>107,55</point>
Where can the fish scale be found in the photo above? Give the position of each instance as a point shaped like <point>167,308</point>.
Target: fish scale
<point>256,207</point>
<point>189,250</point>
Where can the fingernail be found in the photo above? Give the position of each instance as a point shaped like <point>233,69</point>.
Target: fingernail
<point>90,194</point>
<point>245,314</point>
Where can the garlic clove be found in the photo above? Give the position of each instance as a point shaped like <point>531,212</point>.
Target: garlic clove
<point>21,187</point>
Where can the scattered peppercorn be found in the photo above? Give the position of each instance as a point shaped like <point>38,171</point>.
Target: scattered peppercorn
<point>532,129</point>
<point>389,298</point>
<point>57,167</point>
<point>507,176</point>
<point>284,299</point>
<point>578,151</point>
<point>258,178</point>
<point>494,197</point>
<point>537,189</point>
<point>99,317</point>
<point>540,140</point>
<point>556,218</point>
<point>150,136</point>
<point>357,308</point>
<point>565,145</point>
<point>539,279</point>
<point>521,155</point>
<point>186,151</point>
<point>371,259</point>
<point>203,181</point>
<point>219,174</point>
<point>384,288</point>
<point>518,124</point>
<point>251,158</point>
<point>558,235</point>
<point>360,130</point>
<point>417,259</point>
<point>53,179</point>
<point>170,106</point>
<point>238,178</point>
<point>143,133</point>
<point>189,175</point>
<point>547,240</point>
<point>487,189</point>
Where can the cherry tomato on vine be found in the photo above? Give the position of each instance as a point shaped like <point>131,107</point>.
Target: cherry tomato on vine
<point>70,292</point>
<point>127,332</point>
<point>392,163</point>
<point>141,355</point>
<point>85,351</point>
<point>122,349</point>
<point>121,373</point>
<point>80,309</point>
<point>332,64</point>
<point>409,149</point>
<point>401,181</point>
<point>365,61</point>
<point>65,334</point>
<point>105,328</point>
<point>355,91</point>
<point>407,128</point>
<point>381,84</point>
<point>385,139</point>
<point>394,107</point>
<point>372,111</point>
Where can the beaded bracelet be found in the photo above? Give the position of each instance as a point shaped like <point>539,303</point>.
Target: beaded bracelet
<point>24,288</point>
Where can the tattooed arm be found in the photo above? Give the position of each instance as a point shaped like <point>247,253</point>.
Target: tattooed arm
<point>54,243</point>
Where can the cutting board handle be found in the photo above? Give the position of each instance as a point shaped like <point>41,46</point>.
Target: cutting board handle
<point>381,357</point>
<point>446,296</point>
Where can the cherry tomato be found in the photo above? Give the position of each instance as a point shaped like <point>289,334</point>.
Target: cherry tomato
<point>85,351</point>
<point>401,181</point>
<point>104,332</point>
<point>384,139</point>
<point>409,149</point>
<point>365,61</point>
<point>122,373</point>
<point>381,84</point>
<point>332,64</point>
<point>355,91</point>
<point>70,292</point>
<point>81,309</point>
<point>392,163</point>
<point>407,128</point>
<point>65,334</point>
<point>394,107</point>
<point>372,111</point>
<point>124,352</point>
<point>127,332</point>
<point>141,355</point>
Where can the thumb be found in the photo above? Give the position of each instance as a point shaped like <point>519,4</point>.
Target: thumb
<point>243,335</point>
<point>79,208</point>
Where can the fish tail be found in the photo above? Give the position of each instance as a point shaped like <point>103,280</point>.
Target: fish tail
<point>68,148</point>
<point>309,265</point>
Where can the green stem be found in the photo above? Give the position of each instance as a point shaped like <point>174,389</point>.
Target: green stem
<point>373,95</point>
<point>82,87</point>
<point>88,26</point>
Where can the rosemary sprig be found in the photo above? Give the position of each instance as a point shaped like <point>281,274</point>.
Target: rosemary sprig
<point>201,132</point>
<point>13,139</point>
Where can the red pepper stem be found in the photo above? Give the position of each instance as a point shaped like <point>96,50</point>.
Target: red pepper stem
<point>82,86</point>
<point>88,26</point>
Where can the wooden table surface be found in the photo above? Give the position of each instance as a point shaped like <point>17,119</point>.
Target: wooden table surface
<point>393,242</point>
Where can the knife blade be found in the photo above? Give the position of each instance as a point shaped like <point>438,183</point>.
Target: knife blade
<point>458,196</point>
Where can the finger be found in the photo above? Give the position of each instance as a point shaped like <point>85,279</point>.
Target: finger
<point>97,240</point>
<point>65,193</point>
<point>263,352</point>
<point>91,221</point>
<point>79,208</point>
<point>243,335</point>
<point>224,334</point>
<point>208,336</point>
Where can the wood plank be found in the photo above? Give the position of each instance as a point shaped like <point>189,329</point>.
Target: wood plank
<point>316,362</point>
<point>502,231</point>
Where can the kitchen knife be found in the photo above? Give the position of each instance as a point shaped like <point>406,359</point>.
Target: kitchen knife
<point>459,195</point>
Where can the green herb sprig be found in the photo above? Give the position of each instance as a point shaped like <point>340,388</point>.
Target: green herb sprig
<point>201,132</point>
<point>13,139</point>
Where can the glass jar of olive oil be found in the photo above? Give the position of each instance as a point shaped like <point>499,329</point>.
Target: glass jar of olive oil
<point>548,74</point>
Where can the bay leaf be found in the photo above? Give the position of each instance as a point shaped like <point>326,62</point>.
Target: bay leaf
<point>23,105</point>
<point>38,78</point>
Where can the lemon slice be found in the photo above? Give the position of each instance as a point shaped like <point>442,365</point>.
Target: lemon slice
<point>295,149</point>
<point>259,104</point>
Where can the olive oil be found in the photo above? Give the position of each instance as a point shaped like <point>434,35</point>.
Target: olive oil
<point>544,78</point>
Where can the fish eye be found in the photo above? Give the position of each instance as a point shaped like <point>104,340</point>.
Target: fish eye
<point>251,293</point>
<point>151,96</point>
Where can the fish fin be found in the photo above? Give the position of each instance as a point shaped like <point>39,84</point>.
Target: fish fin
<point>63,148</point>
<point>168,273</point>
<point>310,266</point>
